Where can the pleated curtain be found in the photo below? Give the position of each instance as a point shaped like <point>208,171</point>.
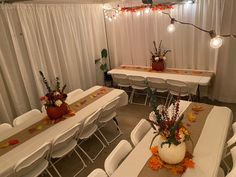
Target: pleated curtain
<point>60,39</point>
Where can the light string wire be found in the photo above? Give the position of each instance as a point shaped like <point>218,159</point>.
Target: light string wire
<point>211,32</point>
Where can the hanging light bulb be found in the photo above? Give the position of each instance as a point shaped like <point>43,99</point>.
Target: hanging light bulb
<point>138,13</point>
<point>171,26</point>
<point>147,10</point>
<point>110,19</point>
<point>216,42</point>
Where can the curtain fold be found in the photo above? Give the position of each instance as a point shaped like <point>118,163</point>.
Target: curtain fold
<point>60,39</point>
<point>225,81</point>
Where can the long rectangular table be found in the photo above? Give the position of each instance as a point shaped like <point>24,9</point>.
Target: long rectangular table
<point>207,152</point>
<point>193,80</point>
<point>8,160</point>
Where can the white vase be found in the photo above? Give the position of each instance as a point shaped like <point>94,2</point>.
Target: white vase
<point>171,154</point>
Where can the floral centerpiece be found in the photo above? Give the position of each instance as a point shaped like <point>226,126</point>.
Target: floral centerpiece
<point>159,57</point>
<point>171,148</point>
<point>54,100</point>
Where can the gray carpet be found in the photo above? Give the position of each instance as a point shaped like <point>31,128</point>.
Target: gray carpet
<point>128,117</point>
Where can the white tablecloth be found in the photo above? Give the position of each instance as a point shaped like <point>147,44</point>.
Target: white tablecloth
<point>207,152</point>
<point>191,80</point>
<point>8,160</point>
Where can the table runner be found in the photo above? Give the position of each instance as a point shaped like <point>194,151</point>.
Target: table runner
<point>195,128</point>
<point>46,123</point>
<point>168,71</point>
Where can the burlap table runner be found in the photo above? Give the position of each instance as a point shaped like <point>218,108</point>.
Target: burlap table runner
<point>46,123</point>
<point>168,71</point>
<point>195,129</point>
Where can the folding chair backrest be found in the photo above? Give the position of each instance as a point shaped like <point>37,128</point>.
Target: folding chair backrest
<point>139,131</point>
<point>233,153</point>
<point>5,127</point>
<point>138,81</point>
<point>110,107</point>
<point>98,172</point>
<point>32,161</point>
<point>73,94</point>
<point>177,87</point>
<point>121,79</point>
<point>65,137</point>
<point>32,116</point>
<point>156,83</point>
<point>116,156</point>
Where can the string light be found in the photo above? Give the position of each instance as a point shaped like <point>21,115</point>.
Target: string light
<point>147,10</point>
<point>110,13</point>
<point>171,26</point>
<point>138,13</point>
<point>216,40</point>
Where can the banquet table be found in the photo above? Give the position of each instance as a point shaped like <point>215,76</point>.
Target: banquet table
<point>8,160</point>
<point>192,80</point>
<point>206,154</point>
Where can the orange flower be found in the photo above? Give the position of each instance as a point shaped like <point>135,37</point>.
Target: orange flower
<point>188,163</point>
<point>178,169</point>
<point>155,163</point>
<point>154,150</point>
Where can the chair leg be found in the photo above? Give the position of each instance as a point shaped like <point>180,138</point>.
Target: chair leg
<point>169,103</point>
<point>119,134</point>
<point>53,166</point>
<point>167,98</point>
<point>145,103</point>
<point>49,173</point>
<point>84,165</point>
<point>89,157</point>
<point>131,96</point>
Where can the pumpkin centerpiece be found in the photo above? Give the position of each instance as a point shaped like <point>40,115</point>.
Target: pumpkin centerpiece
<point>171,132</point>
<point>54,100</point>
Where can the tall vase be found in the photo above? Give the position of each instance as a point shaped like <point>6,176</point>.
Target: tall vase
<point>55,112</point>
<point>172,154</point>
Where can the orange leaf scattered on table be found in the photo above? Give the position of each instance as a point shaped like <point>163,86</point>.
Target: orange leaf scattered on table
<point>13,142</point>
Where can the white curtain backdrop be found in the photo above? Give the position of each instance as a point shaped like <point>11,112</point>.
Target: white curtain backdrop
<point>225,82</point>
<point>61,40</point>
<point>131,37</point>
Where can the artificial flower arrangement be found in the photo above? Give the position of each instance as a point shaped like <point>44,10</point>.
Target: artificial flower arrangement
<point>158,57</point>
<point>54,100</point>
<point>170,152</point>
<point>159,54</point>
<point>168,124</point>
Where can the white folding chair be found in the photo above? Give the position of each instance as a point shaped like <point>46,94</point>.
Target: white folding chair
<point>121,80</point>
<point>232,172</point>
<point>157,84</point>
<point>221,172</point>
<point>4,127</point>
<point>31,116</point>
<point>73,94</point>
<point>109,114</point>
<point>34,164</point>
<point>89,128</point>
<point>63,144</point>
<point>139,131</point>
<point>116,156</point>
<point>98,173</point>
<point>177,88</point>
<point>138,83</point>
